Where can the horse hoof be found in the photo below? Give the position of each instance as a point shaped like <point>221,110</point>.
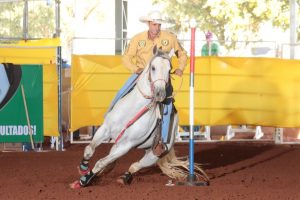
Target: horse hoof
<point>75,185</point>
<point>83,172</point>
<point>125,179</point>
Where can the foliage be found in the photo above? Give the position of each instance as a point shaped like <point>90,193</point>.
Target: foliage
<point>41,20</point>
<point>11,19</point>
<point>232,20</point>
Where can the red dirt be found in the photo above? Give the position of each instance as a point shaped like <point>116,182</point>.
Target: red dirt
<point>238,170</point>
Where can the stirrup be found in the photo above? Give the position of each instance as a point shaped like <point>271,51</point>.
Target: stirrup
<point>160,149</point>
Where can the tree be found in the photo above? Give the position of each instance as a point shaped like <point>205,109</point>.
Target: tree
<point>41,20</point>
<point>232,20</point>
<point>10,19</point>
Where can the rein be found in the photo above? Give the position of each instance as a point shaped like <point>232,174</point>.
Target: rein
<point>179,88</point>
<point>134,119</point>
<point>152,89</point>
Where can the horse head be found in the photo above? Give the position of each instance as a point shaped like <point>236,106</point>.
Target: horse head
<point>159,73</point>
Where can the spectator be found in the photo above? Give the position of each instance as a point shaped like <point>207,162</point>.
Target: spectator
<point>210,48</point>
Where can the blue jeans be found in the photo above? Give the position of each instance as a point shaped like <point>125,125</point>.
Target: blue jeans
<point>166,122</point>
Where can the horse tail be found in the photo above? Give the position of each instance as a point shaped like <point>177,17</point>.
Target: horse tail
<point>178,167</point>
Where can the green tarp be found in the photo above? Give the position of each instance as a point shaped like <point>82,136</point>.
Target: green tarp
<point>14,124</point>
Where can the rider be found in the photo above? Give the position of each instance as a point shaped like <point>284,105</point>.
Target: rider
<point>139,52</point>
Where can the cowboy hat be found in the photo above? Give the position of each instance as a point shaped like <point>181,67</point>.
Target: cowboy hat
<point>153,16</point>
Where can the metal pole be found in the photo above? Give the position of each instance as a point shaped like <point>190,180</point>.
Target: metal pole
<point>293,30</point>
<point>25,20</point>
<point>59,70</point>
<point>192,67</point>
<point>57,18</point>
<point>293,33</point>
<point>191,179</point>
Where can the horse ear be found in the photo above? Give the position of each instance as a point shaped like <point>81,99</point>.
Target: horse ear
<point>171,53</point>
<point>155,50</point>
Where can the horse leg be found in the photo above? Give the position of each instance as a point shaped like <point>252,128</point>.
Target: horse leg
<point>100,136</point>
<point>148,160</point>
<point>116,152</point>
<point>150,157</point>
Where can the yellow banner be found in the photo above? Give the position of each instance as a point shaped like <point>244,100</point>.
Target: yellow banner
<point>39,52</point>
<point>94,81</point>
<point>50,100</point>
<point>253,91</point>
<point>29,52</point>
<point>45,42</point>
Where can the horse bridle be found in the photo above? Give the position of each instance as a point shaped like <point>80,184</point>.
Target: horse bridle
<point>150,78</point>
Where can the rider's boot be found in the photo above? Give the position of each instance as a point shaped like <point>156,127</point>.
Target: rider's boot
<point>160,149</point>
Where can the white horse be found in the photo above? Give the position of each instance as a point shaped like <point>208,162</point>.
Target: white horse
<point>132,123</point>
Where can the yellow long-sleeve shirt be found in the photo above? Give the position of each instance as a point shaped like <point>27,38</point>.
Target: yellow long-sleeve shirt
<point>140,50</point>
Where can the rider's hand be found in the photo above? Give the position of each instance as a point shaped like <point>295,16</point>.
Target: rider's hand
<point>139,70</point>
<point>178,72</point>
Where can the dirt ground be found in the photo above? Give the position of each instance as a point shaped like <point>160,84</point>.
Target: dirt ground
<point>238,170</point>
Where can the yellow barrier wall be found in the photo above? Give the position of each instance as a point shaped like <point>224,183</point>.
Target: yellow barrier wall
<point>254,91</point>
<point>39,52</point>
<point>94,83</point>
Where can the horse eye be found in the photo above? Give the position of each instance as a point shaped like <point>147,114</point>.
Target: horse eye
<point>153,68</point>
